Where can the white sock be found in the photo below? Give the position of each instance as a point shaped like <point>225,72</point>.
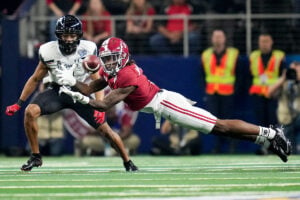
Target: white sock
<point>267,132</point>
<point>263,141</point>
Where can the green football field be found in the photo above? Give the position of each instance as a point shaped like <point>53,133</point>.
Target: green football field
<point>198,177</point>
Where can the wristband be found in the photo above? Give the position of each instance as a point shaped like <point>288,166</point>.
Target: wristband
<point>20,102</point>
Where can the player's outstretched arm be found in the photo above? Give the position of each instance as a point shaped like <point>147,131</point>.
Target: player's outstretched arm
<point>34,81</point>
<point>94,86</point>
<point>29,87</point>
<point>112,98</point>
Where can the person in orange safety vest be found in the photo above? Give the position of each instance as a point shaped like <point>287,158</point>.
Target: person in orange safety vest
<point>266,66</point>
<point>219,64</point>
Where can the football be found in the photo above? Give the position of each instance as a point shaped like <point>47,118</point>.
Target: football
<point>91,63</point>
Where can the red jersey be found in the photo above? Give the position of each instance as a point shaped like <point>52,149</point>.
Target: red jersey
<point>99,26</point>
<point>132,75</point>
<point>177,24</point>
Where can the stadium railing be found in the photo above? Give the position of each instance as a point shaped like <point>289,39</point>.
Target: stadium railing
<point>242,31</point>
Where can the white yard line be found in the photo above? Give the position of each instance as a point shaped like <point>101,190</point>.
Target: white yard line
<point>155,186</point>
<point>166,196</point>
<point>148,179</point>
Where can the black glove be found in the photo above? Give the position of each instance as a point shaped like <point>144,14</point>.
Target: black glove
<point>130,167</point>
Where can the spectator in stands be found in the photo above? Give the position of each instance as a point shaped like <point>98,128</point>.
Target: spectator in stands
<point>122,120</point>
<point>60,8</point>
<point>221,7</point>
<point>116,7</point>
<point>287,90</point>
<point>169,38</point>
<point>138,30</point>
<point>266,65</point>
<point>96,30</point>
<point>176,140</point>
<point>220,72</point>
<point>280,29</point>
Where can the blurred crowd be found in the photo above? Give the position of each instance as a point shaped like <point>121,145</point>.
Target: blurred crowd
<point>147,35</point>
<point>143,31</point>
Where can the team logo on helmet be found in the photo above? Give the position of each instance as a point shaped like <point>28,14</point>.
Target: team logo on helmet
<point>114,55</point>
<point>68,24</point>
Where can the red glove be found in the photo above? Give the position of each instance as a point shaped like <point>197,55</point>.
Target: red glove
<point>10,110</point>
<point>99,116</point>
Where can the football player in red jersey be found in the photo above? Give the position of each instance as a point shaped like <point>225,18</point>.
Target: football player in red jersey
<point>67,54</point>
<point>128,83</point>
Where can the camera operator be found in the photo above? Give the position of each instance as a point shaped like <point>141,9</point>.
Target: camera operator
<point>287,90</point>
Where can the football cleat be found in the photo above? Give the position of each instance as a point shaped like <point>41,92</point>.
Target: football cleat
<point>34,161</point>
<point>130,167</point>
<point>280,145</point>
<point>282,141</point>
<point>275,148</point>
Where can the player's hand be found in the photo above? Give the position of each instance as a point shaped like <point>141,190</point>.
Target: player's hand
<point>12,109</point>
<point>76,96</point>
<point>99,116</point>
<point>65,76</point>
<point>130,167</point>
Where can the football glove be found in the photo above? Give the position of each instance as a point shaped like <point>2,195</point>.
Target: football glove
<point>12,109</point>
<point>76,96</point>
<point>130,167</point>
<point>65,76</point>
<point>99,116</point>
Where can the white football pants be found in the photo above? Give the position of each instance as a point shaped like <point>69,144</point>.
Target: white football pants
<point>178,109</point>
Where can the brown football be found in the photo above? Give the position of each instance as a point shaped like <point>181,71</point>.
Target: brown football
<point>91,63</point>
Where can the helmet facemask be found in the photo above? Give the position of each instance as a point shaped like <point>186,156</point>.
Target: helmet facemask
<point>67,47</point>
<point>111,63</point>
<point>114,55</point>
<point>68,24</point>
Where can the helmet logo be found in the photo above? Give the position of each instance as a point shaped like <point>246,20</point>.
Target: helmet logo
<point>114,55</point>
<point>68,24</point>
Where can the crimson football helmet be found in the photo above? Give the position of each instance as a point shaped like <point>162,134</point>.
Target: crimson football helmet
<point>114,55</point>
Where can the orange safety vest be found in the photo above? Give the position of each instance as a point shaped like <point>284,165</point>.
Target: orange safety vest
<point>263,78</point>
<point>220,79</point>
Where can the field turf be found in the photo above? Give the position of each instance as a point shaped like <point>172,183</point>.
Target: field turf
<point>199,177</point>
